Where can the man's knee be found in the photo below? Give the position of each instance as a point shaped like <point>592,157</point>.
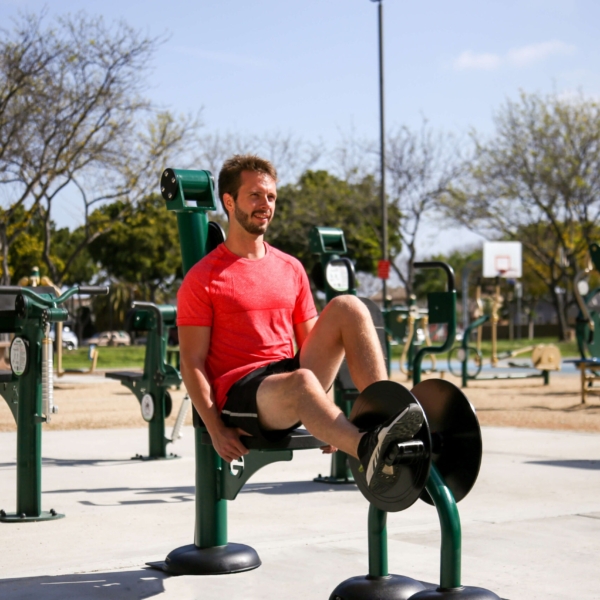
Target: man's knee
<point>349,307</point>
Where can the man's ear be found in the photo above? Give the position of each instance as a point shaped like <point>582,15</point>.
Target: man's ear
<point>228,201</point>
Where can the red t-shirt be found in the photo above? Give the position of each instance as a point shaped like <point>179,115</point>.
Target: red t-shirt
<point>251,306</point>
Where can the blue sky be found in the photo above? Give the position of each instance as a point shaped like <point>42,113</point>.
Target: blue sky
<point>309,67</point>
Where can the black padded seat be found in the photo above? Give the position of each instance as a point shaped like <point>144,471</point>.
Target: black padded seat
<point>6,376</point>
<point>298,439</point>
<point>125,375</point>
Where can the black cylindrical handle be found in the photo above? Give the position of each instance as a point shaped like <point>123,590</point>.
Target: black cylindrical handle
<point>438,264</point>
<point>94,289</point>
<point>10,289</point>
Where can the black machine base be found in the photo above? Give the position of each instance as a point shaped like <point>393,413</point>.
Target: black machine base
<point>50,515</point>
<point>461,593</point>
<point>169,456</point>
<point>219,560</point>
<point>333,480</point>
<point>392,587</point>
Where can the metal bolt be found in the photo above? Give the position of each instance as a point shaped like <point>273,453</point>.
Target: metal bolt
<point>170,196</point>
<point>2,513</point>
<point>173,180</point>
<point>166,173</point>
<point>52,512</point>
<point>162,189</point>
<point>22,516</point>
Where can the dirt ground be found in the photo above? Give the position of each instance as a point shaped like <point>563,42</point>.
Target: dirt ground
<point>513,403</point>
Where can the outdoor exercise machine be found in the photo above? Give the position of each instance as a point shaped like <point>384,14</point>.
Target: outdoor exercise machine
<point>441,463</point>
<point>151,386</point>
<point>587,325</point>
<point>28,386</point>
<point>334,275</point>
<point>544,357</point>
<point>403,324</point>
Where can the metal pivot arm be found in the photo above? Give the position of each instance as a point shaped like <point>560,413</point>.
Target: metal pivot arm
<point>442,309</point>
<point>49,301</point>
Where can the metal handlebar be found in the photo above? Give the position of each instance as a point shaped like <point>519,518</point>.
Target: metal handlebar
<point>438,264</point>
<point>154,308</point>
<point>15,289</point>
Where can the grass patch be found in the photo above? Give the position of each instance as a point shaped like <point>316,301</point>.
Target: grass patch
<point>124,357</point>
<point>567,349</point>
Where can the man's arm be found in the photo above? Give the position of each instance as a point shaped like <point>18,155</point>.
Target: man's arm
<point>302,330</point>
<point>193,348</point>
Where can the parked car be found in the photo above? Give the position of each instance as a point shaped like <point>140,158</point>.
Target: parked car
<point>110,338</point>
<point>69,339</point>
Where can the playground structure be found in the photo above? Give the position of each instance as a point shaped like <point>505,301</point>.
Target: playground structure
<point>443,459</point>
<point>588,324</point>
<point>28,386</point>
<point>151,386</point>
<point>403,324</point>
<point>501,260</point>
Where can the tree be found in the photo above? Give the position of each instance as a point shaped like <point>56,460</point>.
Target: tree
<point>72,116</point>
<point>141,250</point>
<point>537,180</point>
<point>421,166</point>
<point>319,198</point>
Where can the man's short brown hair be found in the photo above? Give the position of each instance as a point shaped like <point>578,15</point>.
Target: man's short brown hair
<point>231,172</point>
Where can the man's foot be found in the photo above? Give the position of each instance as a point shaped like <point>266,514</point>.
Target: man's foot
<point>373,447</point>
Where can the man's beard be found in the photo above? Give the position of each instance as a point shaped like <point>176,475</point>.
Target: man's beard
<point>244,219</point>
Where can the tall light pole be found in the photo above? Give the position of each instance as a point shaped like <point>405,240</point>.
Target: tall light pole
<point>383,272</point>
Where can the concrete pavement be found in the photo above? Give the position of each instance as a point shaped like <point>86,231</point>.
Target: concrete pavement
<point>531,525</point>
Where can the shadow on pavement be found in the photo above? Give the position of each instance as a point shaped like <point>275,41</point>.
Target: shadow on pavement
<point>590,465</point>
<point>119,585</point>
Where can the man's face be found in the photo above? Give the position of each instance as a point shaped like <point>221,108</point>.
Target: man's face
<point>255,204</point>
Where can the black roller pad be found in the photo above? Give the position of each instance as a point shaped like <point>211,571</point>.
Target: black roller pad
<point>374,405</point>
<point>455,435</point>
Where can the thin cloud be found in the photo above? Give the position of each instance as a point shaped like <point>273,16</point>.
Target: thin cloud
<point>533,53</point>
<point>470,60</point>
<point>522,57</point>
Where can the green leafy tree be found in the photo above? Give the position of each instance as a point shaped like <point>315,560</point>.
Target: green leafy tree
<point>320,198</point>
<point>536,180</point>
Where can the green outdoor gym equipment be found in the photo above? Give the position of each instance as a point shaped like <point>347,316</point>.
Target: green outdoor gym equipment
<point>440,465</point>
<point>151,387</point>
<point>28,386</point>
<point>334,275</point>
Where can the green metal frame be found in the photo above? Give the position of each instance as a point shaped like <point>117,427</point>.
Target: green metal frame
<point>329,243</point>
<point>23,394</point>
<point>158,375</point>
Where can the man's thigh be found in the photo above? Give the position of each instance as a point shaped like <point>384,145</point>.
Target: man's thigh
<point>275,410</point>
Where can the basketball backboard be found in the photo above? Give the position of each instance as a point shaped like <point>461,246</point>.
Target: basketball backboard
<point>502,259</point>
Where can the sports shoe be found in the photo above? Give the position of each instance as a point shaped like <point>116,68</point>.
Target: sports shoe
<point>373,446</point>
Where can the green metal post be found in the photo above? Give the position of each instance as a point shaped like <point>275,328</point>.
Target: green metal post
<point>156,427</point>
<point>450,561</point>
<point>378,551</point>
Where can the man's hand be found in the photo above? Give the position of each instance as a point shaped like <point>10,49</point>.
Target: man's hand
<point>328,449</point>
<point>227,443</point>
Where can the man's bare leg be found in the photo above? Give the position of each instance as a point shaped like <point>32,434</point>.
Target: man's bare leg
<point>345,327</point>
<point>283,400</point>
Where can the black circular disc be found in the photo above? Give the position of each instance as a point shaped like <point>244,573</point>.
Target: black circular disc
<point>374,405</point>
<point>168,404</point>
<point>168,184</point>
<point>455,435</point>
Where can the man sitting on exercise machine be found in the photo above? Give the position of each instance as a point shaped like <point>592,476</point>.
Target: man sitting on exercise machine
<point>240,309</point>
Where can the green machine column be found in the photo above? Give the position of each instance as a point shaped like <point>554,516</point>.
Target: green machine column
<point>28,389</point>
<point>334,274</point>
<point>191,195</point>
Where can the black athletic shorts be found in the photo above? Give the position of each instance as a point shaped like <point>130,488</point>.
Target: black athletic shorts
<point>240,407</point>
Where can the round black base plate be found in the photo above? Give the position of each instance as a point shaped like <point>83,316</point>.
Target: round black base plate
<point>22,518</point>
<point>220,560</point>
<point>392,587</point>
<point>461,593</point>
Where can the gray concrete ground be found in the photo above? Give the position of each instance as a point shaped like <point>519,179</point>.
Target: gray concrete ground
<point>531,526</point>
